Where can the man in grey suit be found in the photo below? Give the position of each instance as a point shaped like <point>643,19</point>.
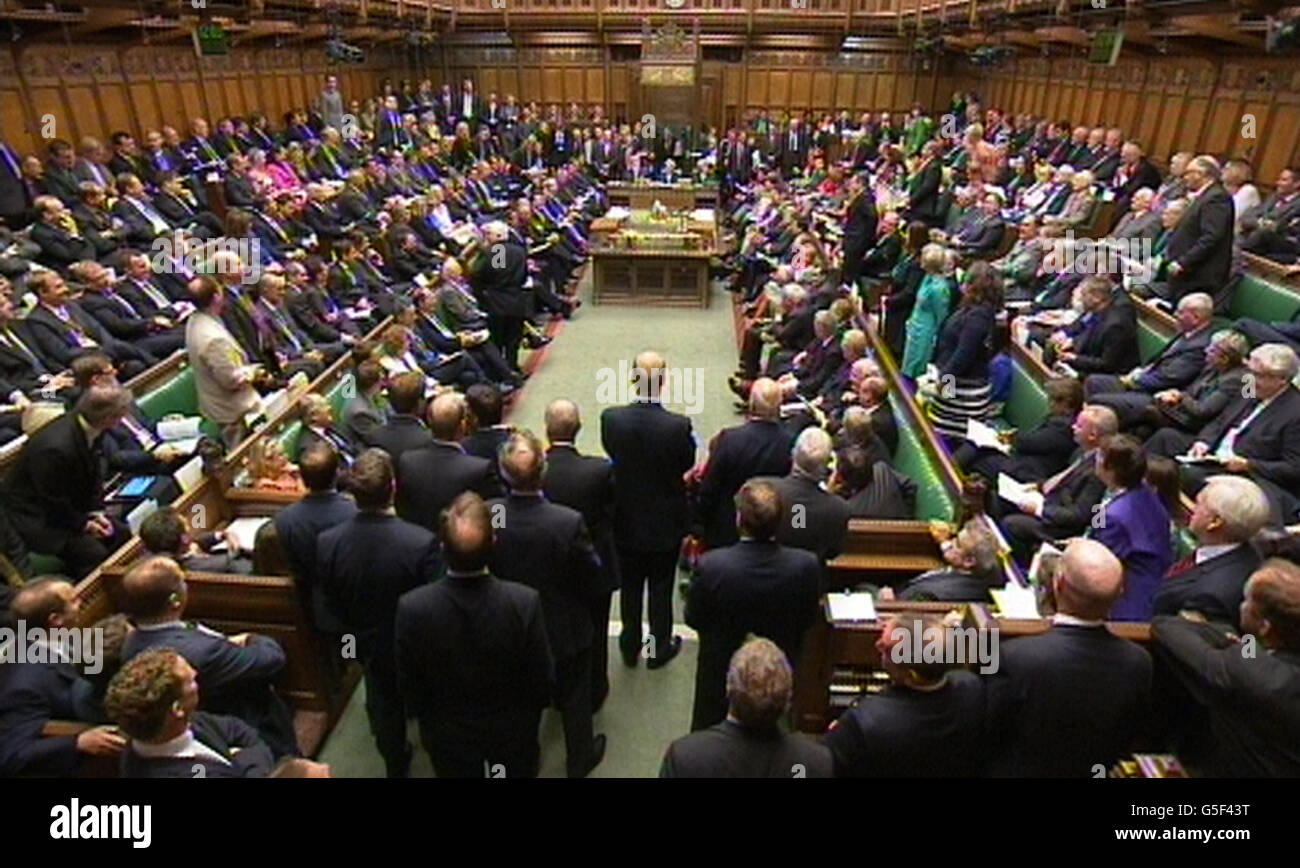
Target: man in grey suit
<point>361,415</point>
<point>222,374</point>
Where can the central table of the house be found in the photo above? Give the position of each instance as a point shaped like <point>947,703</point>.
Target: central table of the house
<point>654,256</point>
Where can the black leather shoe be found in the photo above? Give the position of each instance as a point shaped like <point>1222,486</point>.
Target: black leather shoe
<point>664,657</point>
<point>630,657</point>
<point>597,754</point>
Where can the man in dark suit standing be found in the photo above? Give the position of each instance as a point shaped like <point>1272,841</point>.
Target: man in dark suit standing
<point>364,566</point>
<point>794,147</point>
<point>749,743</point>
<point>586,483</point>
<point>1229,511</point>
<point>652,448</point>
<point>404,429</point>
<point>754,586</point>
<point>1070,700</point>
<point>546,546</point>
<point>236,671</point>
<point>430,477</point>
<point>53,494</point>
<point>759,447</point>
<point>1199,251</point>
<point>473,663</point>
<point>814,519</point>
<point>500,285</point>
<point>1250,698</point>
<point>299,525</point>
<point>32,694</point>
<point>859,228</point>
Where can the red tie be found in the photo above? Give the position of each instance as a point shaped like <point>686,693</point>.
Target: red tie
<point>1181,567</point>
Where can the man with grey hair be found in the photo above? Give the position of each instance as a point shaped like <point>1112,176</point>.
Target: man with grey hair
<point>652,448</point>
<point>54,493</point>
<point>759,447</point>
<point>970,568</point>
<point>813,519</point>
<point>749,744</point>
<point>1229,511</point>
<point>1069,700</point>
<point>499,283</point>
<point>1199,250</point>
<point>547,547</point>
<point>1258,433</point>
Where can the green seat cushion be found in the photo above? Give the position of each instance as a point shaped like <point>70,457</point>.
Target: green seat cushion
<point>933,501</point>
<point>1151,339</point>
<point>177,395</point>
<point>45,565</point>
<point>1264,300</point>
<point>1026,406</point>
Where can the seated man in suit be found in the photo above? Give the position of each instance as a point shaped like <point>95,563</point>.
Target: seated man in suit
<point>813,519</point>
<point>363,567</point>
<point>165,533</point>
<point>1038,452</point>
<point>1229,511</point>
<point>133,446</point>
<point>299,525</point>
<point>157,334</point>
<point>1104,339</point>
<point>54,492</point>
<point>143,221</point>
<point>929,721</point>
<point>749,743</point>
<point>1069,700</point>
<point>178,204</point>
<point>57,234</point>
<point>1174,367</point>
<point>430,477</point>
<point>63,330</point>
<point>1258,433</point>
<point>1249,698</point>
<point>754,586</point>
<point>476,685</point>
<point>154,699</point>
<point>1177,415</point>
<point>1062,506</point>
<point>32,693</point>
<point>236,671</point>
<point>318,427</point>
<point>362,416</point>
<point>972,569</point>
<point>982,236</point>
<point>21,366</point>
<point>873,396</point>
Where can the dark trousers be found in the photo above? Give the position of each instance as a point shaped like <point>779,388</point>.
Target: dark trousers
<point>82,552</point>
<point>573,699</point>
<point>1024,532</point>
<point>638,570</point>
<point>600,650</point>
<point>507,333</point>
<point>387,720</point>
<point>481,758</point>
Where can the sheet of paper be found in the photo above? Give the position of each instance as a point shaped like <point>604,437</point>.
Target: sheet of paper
<point>1191,459</point>
<point>181,428</point>
<point>1014,601</point>
<point>185,446</point>
<point>851,607</point>
<point>1011,490</point>
<point>1046,552</point>
<point>984,435</point>
<point>143,510</point>
<point>245,531</point>
<point>189,474</point>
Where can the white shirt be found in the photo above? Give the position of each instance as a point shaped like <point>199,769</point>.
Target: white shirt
<point>183,746</point>
<point>1064,620</point>
<point>1205,553</point>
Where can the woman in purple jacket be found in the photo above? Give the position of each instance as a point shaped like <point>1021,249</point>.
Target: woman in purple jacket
<point>1133,522</point>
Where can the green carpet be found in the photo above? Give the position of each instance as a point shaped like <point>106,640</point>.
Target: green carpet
<point>645,710</point>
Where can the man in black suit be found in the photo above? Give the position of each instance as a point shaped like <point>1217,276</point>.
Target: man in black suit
<point>60,180</point>
<point>1069,701</point>
<point>1229,511</point>
<point>299,526</point>
<point>794,147</point>
<point>1272,228</point>
<point>754,586</point>
<point>983,235</point>
<point>814,519</point>
<point>143,221</point>
<point>1062,506</point>
<point>1104,339</point>
<point>32,694</point>
<point>473,663</point>
<point>63,330</point>
<point>1258,433</point>
<point>238,187</point>
<point>15,197</point>
<point>490,433</point>
<point>1250,697</point>
<point>971,569</point>
<point>929,721</point>
<point>859,228</point>
<point>364,566</point>
<point>1199,251</point>
<point>652,448</point>
<point>56,233</point>
<point>749,743</point>
<point>547,547</point>
<point>175,202</point>
<point>404,429</point>
<point>53,494</point>
<point>21,366</point>
<point>873,396</point>
<point>586,483</point>
<point>1175,366</point>
<point>924,186</point>
<point>237,672</point>
<point>500,286</point>
<point>430,477</point>
<point>759,447</point>
<point>1134,173</point>
<point>157,334</point>
<point>164,532</point>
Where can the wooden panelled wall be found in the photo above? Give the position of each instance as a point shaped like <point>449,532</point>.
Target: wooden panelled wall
<point>808,81</point>
<point>95,90</point>
<point>1169,104</point>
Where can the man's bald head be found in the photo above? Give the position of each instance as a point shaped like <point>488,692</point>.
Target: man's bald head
<point>523,462</point>
<point>153,588</point>
<point>648,374</point>
<point>765,399</point>
<point>447,415</point>
<point>562,421</point>
<point>45,602</point>
<point>467,533</point>
<point>1089,582</point>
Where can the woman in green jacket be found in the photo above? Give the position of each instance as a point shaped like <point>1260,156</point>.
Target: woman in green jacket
<point>933,301</point>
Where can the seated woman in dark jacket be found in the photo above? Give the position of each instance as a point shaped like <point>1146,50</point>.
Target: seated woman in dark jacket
<point>1036,453</point>
<point>962,354</point>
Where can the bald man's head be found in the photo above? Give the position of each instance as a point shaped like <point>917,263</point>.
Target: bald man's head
<point>153,589</point>
<point>46,602</point>
<point>562,421</point>
<point>1089,582</point>
<point>447,416</point>
<point>765,399</point>
<point>649,375</point>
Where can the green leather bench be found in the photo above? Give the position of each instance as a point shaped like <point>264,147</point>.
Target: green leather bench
<point>933,500</point>
<point>1262,299</point>
<point>1026,406</point>
<point>1151,339</point>
<point>176,395</point>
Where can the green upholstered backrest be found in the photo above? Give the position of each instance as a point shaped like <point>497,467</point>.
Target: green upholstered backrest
<point>337,396</point>
<point>1027,404</point>
<point>1150,339</point>
<point>933,500</point>
<point>177,395</point>
<point>1262,299</point>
